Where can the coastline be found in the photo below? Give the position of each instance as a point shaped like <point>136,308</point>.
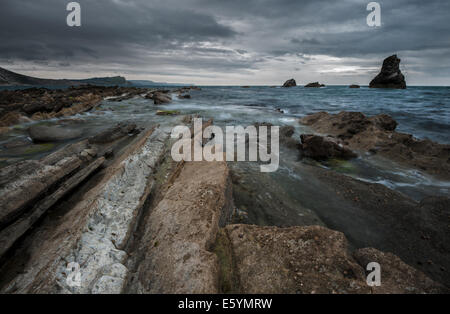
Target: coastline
<point>140,241</point>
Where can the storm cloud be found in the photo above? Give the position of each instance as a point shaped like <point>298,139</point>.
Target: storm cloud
<point>226,41</point>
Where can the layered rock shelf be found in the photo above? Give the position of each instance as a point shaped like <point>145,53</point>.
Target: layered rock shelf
<point>135,221</point>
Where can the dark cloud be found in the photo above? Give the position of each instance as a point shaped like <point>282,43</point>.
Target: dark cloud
<point>226,41</point>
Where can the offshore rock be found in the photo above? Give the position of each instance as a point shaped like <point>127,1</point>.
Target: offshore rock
<point>290,83</point>
<point>390,75</point>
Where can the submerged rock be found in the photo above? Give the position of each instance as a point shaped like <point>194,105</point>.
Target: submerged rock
<point>290,83</point>
<point>323,148</point>
<point>52,133</point>
<point>390,75</point>
<point>167,112</point>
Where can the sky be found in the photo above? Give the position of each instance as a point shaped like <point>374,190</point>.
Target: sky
<point>227,42</point>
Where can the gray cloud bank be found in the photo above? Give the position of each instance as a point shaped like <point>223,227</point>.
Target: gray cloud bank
<point>227,41</point>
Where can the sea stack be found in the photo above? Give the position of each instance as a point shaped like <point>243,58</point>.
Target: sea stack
<point>390,75</point>
<point>290,83</point>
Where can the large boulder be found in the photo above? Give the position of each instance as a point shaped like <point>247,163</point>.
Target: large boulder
<point>390,75</point>
<point>290,83</point>
<point>323,148</point>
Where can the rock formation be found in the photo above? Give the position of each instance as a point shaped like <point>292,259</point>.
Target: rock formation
<point>290,83</point>
<point>390,75</point>
<point>314,85</point>
<point>159,97</point>
<point>323,148</point>
<point>377,135</point>
<point>139,222</point>
<point>287,262</point>
<point>354,86</point>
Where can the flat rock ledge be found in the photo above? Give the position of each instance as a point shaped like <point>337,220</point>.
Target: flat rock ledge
<point>377,135</point>
<point>182,230</point>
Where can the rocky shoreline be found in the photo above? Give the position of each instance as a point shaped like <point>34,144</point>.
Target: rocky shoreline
<point>135,221</point>
<point>34,104</point>
<point>377,135</point>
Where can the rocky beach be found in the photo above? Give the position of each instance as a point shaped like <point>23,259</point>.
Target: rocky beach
<point>87,177</point>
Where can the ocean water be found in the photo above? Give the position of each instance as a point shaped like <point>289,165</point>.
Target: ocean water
<point>421,111</point>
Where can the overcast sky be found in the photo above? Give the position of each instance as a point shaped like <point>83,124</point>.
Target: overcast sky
<point>227,42</point>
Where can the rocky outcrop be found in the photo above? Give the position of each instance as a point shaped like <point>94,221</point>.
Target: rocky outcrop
<point>313,260</point>
<point>159,98</point>
<point>314,85</point>
<point>354,86</point>
<point>18,106</point>
<point>290,83</point>
<point>96,230</point>
<point>140,222</point>
<point>31,187</point>
<point>390,75</point>
<point>182,229</point>
<point>377,135</point>
<point>323,148</point>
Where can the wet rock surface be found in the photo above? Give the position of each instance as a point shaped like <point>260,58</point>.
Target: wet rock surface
<point>377,135</point>
<point>323,148</point>
<point>55,133</point>
<point>390,75</point>
<point>159,98</point>
<point>18,106</point>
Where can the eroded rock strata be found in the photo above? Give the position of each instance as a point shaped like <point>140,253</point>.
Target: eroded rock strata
<point>377,135</point>
<point>135,221</point>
